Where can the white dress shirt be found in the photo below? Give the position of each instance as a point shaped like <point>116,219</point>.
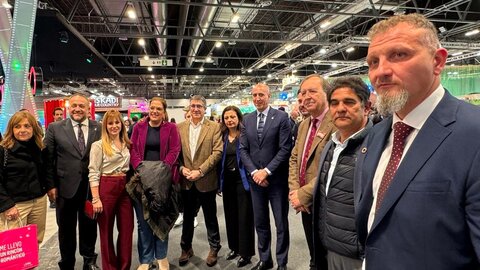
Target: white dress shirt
<point>194,133</point>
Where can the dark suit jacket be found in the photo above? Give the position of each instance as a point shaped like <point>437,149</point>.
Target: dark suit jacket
<point>273,150</point>
<point>66,166</point>
<point>430,216</point>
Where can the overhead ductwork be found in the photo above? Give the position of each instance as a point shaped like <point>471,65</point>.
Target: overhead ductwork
<point>159,11</point>
<point>205,16</point>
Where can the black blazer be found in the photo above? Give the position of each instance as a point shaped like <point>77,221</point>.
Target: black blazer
<point>66,166</point>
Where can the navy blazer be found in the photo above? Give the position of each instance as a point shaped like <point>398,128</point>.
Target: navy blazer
<point>273,150</point>
<point>243,173</point>
<point>430,216</point>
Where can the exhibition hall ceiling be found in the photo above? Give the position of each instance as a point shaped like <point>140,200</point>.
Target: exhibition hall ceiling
<point>216,48</point>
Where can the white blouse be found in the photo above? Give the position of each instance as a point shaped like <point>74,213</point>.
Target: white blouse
<point>101,164</point>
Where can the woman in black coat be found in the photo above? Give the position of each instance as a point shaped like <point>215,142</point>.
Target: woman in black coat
<point>22,175</point>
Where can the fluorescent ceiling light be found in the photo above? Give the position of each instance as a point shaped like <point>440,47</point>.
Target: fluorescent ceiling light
<point>249,70</point>
<point>323,51</point>
<point>325,24</point>
<point>334,65</point>
<point>471,33</point>
<point>457,53</point>
<point>351,49</point>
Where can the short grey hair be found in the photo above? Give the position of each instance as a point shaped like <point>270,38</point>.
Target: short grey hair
<point>199,97</point>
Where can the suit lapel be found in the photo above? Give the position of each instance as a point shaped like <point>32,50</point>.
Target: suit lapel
<point>185,133</point>
<point>68,128</point>
<point>268,122</point>
<point>428,139</point>
<point>92,131</point>
<point>324,129</point>
<point>367,162</point>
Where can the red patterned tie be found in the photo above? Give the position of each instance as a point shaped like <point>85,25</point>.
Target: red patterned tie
<point>311,136</point>
<point>400,133</point>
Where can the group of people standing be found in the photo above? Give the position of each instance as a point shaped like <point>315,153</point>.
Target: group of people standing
<point>369,198</point>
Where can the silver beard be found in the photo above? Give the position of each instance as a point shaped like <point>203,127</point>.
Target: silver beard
<point>389,104</point>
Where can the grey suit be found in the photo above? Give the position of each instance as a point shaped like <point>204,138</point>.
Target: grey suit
<point>67,168</point>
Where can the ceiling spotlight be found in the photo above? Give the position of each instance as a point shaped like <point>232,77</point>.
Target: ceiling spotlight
<point>351,49</point>
<point>150,68</point>
<point>249,70</point>
<point>323,51</point>
<point>218,44</point>
<point>269,76</point>
<point>235,18</point>
<point>471,33</point>
<point>152,76</point>
<point>154,82</point>
<point>141,42</point>
<point>131,13</point>
<point>196,76</point>
<point>70,81</point>
<point>201,69</point>
<point>334,65</point>
<point>208,59</point>
<point>146,57</point>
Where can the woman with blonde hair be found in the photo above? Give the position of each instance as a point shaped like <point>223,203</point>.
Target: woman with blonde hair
<point>22,175</point>
<point>109,163</point>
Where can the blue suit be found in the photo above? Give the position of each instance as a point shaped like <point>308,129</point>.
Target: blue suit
<point>430,216</point>
<point>272,151</point>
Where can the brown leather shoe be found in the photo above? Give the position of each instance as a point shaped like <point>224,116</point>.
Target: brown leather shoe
<point>212,257</point>
<point>186,255</point>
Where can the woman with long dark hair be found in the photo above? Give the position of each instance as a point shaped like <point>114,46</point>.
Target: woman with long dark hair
<point>22,175</point>
<point>109,163</point>
<point>234,185</point>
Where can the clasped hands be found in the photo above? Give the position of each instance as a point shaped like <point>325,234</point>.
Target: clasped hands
<point>295,202</point>
<point>191,175</point>
<point>260,178</point>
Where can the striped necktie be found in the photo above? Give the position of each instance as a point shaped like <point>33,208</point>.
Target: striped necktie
<point>261,124</point>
